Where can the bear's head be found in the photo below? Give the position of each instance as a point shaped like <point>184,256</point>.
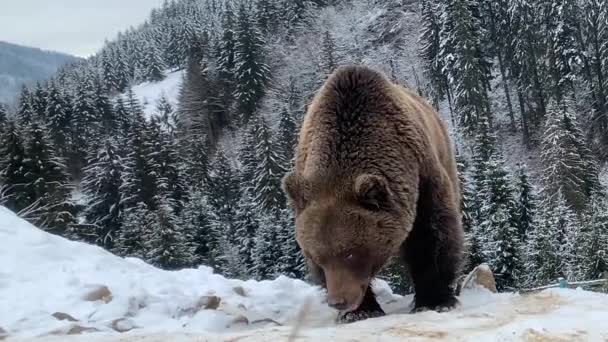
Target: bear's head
<point>348,228</point>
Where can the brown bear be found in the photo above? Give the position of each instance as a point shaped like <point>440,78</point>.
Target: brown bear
<point>375,177</point>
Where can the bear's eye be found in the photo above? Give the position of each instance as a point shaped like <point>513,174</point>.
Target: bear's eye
<point>350,257</point>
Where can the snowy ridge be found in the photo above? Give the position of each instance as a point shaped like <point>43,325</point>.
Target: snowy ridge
<point>42,274</point>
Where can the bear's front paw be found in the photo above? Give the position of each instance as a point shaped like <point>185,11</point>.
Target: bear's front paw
<point>439,306</point>
<point>354,316</point>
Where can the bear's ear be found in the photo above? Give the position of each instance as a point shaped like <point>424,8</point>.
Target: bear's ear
<point>296,189</point>
<point>372,191</point>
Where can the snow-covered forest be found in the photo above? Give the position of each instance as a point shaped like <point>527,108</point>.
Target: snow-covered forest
<point>196,181</point>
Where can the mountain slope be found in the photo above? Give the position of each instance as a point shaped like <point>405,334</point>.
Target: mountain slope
<point>42,275</point>
<point>21,64</point>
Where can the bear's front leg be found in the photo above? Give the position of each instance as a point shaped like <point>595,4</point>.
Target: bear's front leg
<point>369,308</point>
<point>433,250</point>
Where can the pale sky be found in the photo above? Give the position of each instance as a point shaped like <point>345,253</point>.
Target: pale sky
<point>77,27</point>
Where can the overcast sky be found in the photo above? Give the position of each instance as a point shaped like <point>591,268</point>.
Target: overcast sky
<point>77,27</point>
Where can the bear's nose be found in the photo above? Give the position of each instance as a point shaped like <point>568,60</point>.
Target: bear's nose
<point>337,303</point>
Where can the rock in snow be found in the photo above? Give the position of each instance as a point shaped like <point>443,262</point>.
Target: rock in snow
<point>480,276</point>
<point>43,277</point>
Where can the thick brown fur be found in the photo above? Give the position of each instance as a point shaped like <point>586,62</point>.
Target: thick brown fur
<point>375,177</point>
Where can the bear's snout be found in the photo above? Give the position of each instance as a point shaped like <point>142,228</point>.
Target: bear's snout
<point>345,291</point>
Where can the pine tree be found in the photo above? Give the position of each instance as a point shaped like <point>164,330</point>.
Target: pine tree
<point>101,184</point>
<point>168,246</point>
<point>468,71</point>
<point>47,183</point>
<point>251,73</point>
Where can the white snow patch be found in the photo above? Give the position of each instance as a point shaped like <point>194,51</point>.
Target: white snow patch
<point>41,274</point>
<point>149,92</point>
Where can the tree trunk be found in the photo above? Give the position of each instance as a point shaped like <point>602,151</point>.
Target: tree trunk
<point>505,86</point>
<point>524,118</point>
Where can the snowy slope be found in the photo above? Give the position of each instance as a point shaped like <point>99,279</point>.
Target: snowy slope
<point>149,92</point>
<point>42,274</point>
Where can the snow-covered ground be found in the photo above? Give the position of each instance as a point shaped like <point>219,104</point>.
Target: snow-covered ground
<point>51,287</point>
<point>149,92</point>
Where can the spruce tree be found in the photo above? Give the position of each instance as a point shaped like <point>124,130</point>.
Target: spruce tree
<point>135,234</point>
<point>101,184</point>
<point>47,183</point>
<point>461,51</point>
<point>153,70</point>
<point>196,221</point>
<point>58,115</point>
<point>292,263</point>
<point>251,73</point>
<point>286,138</point>
<point>550,248</point>
<point>85,125</point>
<point>105,110</point>
<point>501,244</point>
<point>567,165</point>
<point>430,51</point>
<point>140,179</point>
<point>268,250</point>
<point>246,229</point>
<point>226,60</point>
<point>38,101</point>
<point>123,118</point>
<point>12,169</point>
<point>165,113</point>
<point>525,202</point>
<point>168,246</point>
<point>267,173</point>
<point>328,55</point>
<point>25,109</point>
<point>592,240</point>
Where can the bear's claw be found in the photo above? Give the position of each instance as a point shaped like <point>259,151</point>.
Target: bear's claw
<point>354,316</point>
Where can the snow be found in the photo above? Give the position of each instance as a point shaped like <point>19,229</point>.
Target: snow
<point>149,92</point>
<point>42,274</point>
